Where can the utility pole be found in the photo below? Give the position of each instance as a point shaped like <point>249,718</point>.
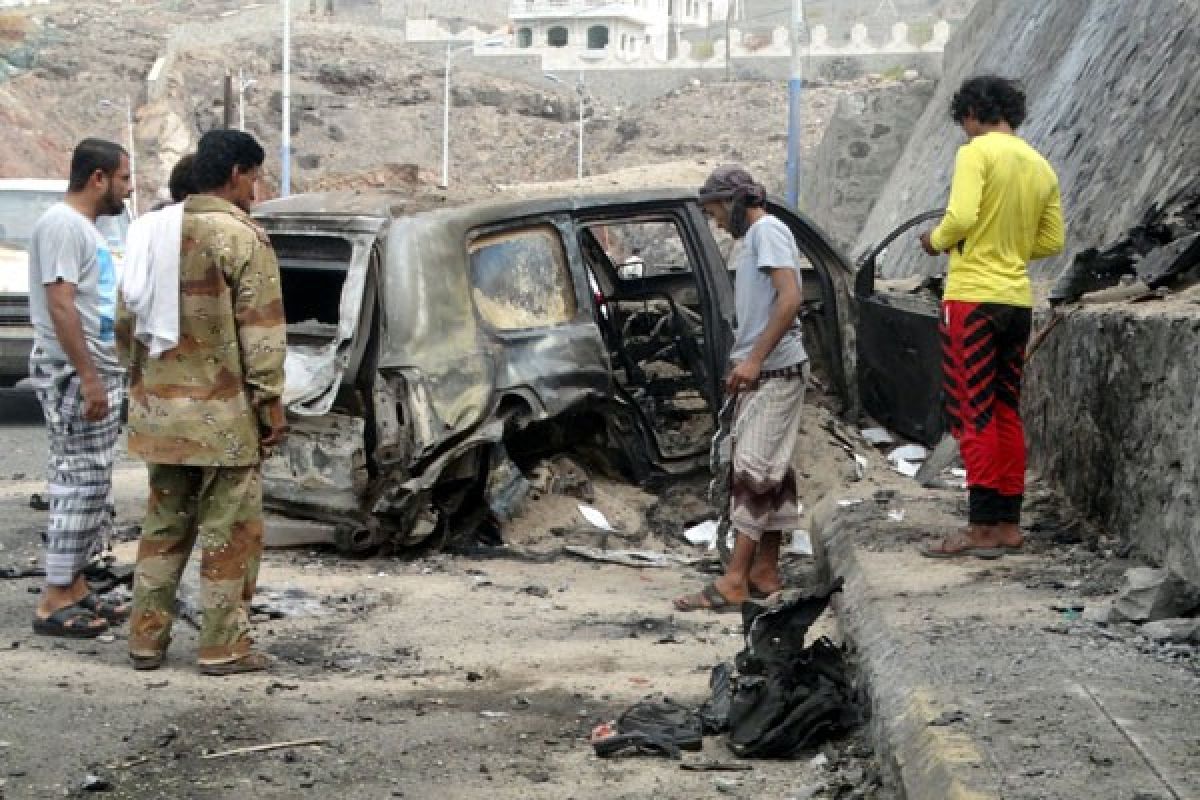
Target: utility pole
<point>285,182</point>
<point>228,111</point>
<point>795,84</point>
<point>132,151</point>
<point>728,28</point>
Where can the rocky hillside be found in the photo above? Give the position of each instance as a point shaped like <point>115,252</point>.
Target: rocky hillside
<point>365,106</point>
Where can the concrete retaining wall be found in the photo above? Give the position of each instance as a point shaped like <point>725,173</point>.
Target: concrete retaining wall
<point>1112,418</point>
<point>865,138</point>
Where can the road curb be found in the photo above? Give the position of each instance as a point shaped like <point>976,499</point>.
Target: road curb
<point>926,761</point>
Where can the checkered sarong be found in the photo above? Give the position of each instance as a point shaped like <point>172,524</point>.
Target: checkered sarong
<point>766,423</point>
<point>79,467</point>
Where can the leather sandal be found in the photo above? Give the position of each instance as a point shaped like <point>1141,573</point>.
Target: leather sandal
<point>70,622</point>
<point>250,662</point>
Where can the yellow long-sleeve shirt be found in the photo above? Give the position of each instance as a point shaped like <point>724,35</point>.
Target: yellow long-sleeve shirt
<point>1004,212</point>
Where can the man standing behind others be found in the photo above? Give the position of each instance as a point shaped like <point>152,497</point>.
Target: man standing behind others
<point>1004,211</point>
<point>768,377</point>
<point>202,414</point>
<point>74,369</point>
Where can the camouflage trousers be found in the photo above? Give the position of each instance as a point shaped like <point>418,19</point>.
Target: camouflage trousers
<point>222,506</point>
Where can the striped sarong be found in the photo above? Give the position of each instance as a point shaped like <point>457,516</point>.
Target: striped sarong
<point>79,467</point>
<point>765,426</point>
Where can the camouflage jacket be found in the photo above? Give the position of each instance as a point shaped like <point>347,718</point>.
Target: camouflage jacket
<point>204,403</point>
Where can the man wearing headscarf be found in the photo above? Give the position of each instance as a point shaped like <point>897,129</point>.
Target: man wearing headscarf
<point>768,373</point>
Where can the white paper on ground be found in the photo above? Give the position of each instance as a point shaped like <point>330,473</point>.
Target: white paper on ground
<point>801,543</point>
<point>860,466</point>
<point>595,517</point>
<point>958,472</point>
<point>704,534</point>
<point>905,468</point>
<point>877,436</point>
<point>896,515</point>
<point>846,502</point>
<point>908,452</point>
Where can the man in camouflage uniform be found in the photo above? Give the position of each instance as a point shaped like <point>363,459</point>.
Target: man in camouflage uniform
<point>201,415</point>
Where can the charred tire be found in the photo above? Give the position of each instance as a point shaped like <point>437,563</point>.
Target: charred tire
<point>355,541</point>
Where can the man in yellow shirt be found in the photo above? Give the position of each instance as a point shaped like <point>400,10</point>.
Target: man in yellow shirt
<point>1004,211</point>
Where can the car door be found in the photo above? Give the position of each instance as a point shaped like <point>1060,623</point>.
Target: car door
<point>532,298</point>
<point>664,312</point>
<point>899,350</point>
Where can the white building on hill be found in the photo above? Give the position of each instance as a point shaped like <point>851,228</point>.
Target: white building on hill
<point>624,30</point>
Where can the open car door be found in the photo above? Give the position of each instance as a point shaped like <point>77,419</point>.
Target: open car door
<point>899,349</point>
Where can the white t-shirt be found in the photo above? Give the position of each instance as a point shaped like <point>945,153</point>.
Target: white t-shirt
<point>66,246</point>
<point>767,245</point>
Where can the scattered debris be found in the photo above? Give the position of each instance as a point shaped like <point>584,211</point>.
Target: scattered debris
<point>786,695</point>
<point>801,543</point>
<point>38,503</point>
<point>896,515</point>
<point>704,534</point>
<point>947,718</point>
<point>1153,594</point>
<point>595,518</point>
<point>715,766</point>
<point>943,456</point>
<point>96,783</point>
<point>1161,250</point>
<point>562,475</point>
<point>11,573</point>
<point>631,558</point>
<point>261,748</point>
<point>653,726</point>
<point>1180,630</point>
<point>906,459</point>
<point>493,714</point>
<point>877,436</point>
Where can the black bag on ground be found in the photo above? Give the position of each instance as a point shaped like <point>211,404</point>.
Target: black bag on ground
<point>788,697</point>
<point>663,719</point>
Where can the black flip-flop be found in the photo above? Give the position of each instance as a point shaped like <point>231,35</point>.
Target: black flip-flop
<point>70,622</point>
<point>108,609</point>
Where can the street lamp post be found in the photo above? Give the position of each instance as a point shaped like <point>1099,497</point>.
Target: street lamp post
<point>132,146</point>
<point>580,89</point>
<point>243,84</point>
<point>285,147</point>
<point>795,86</point>
<point>450,53</point>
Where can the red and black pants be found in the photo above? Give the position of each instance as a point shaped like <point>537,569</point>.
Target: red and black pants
<point>983,355</point>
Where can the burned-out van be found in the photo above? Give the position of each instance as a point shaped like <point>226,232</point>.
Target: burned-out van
<point>434,352</point>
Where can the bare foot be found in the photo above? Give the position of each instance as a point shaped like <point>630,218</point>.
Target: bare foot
<point>1008,534</point>
<point>765,582</point>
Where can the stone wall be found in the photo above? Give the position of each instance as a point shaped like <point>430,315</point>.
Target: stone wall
<point>628,87</point>
<point>1111,413</point>
<point>1114,98</point>
<point>865,138</point>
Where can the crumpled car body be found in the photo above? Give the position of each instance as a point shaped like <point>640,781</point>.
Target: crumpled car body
<point>435,353</point>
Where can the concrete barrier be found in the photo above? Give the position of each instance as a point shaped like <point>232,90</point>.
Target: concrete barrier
<point>1112,418</point>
